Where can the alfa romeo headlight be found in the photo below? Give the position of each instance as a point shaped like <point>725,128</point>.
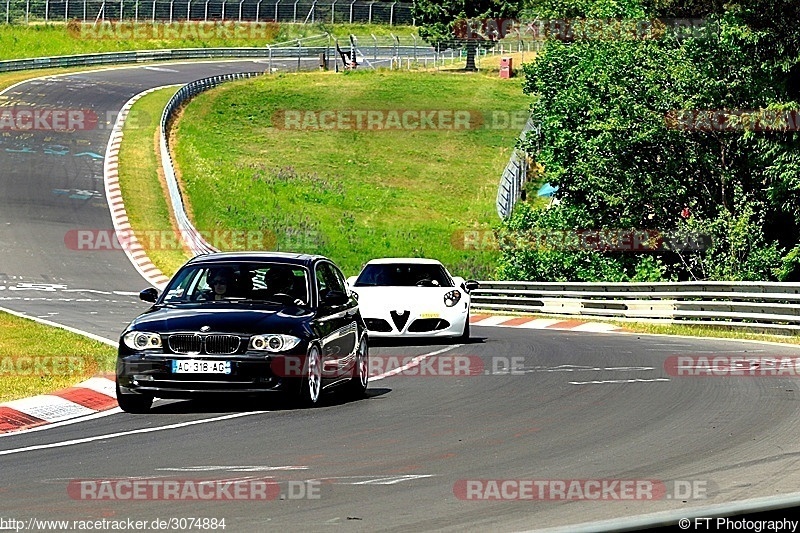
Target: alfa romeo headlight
<point>273,343</point>
<point>142,340</point>
<point>452,298</point>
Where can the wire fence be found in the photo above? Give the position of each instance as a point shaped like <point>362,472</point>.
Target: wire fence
<point>289,11</point>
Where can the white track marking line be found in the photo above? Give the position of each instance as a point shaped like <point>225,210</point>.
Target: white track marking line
<point>92,336</point>
<point>414,362</point>
<point>615,381</point>
<point>74,442</point>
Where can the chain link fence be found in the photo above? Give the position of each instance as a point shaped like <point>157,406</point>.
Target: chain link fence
<point>294,11</point>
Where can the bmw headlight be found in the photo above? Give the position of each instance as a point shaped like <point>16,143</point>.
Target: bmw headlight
<point>452,298</point>
<point>142,340</point>
<point>273,343</point>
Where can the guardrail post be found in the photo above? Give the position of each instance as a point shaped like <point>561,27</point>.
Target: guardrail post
<point>299,50</point>
<point>269,63</point>
<point>374,47</point>
<point>415,46</point>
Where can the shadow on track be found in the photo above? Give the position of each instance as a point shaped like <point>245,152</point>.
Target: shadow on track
<point>388,342</point>
<point>233,403</point>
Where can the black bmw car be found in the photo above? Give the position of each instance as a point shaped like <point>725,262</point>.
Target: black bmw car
<point>246,322</point>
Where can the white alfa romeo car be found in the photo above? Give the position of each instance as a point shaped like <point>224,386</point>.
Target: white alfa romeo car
<point>409,297</point>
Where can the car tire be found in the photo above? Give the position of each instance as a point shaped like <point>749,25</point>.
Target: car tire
<point>356,388</point>
<point>134,403</point>
<point>465,334</point>
<point>310,386</point>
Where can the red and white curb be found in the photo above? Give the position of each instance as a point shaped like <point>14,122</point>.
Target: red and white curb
<point>530,322</point>
<point>86,398</point>
<point>133,249</point>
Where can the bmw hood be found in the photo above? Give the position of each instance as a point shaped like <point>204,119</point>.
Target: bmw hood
<point>219,319</point>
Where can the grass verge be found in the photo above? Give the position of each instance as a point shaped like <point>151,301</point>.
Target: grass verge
<point>35,358</point>
<point>719,332</point>
<point>142,184</point>
<point>57,39</point>
<point>351,193</point>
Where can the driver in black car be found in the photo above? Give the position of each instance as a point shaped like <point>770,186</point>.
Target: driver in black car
<point>280,283</point>
<point>220,281</point>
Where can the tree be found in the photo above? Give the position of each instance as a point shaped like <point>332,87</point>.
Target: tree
<point>611,139</point>
<point>462,22</point>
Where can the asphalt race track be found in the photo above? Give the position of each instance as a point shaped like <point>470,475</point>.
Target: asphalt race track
<point>577,406</point>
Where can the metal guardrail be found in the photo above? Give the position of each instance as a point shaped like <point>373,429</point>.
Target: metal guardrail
<point>193,239</point>
<point>267,52</point>
<point>514,176</point>
<point>758,305</point>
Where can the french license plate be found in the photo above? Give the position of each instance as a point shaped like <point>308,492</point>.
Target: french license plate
<point>198,366</point>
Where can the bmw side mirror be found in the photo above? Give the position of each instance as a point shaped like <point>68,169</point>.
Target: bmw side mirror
<point>149,295</point>
<point>336,298</point>
<point>471,285</point>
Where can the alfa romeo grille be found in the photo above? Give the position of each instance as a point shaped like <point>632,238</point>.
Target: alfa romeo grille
<point>184,343</point>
